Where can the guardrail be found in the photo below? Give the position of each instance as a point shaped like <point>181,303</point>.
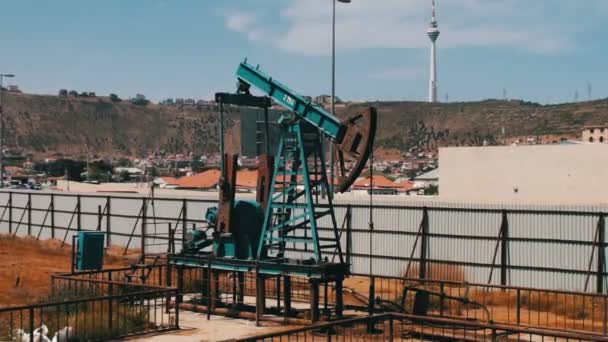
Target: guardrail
<point>562,248</point>
<point>88,309</point>
<point>403,327</point>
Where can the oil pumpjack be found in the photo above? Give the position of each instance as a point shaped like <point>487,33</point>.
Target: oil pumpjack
<point>279,234</point>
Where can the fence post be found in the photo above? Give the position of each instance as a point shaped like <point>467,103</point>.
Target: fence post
<point>170,234</point>
<point>144,210</point>
<point>504,248</point>
<point>10,212</point>
<point>110,310</point>
<point>168,274</point>
<point>78,213</point>
<point>184,221</point>
<point>99,217</point>
<point>391,329</point>
<point>108,225</point>
<point>518,306</point>
<point>52,216</point>
<point>424,243</point>
<point>601,255</point>
<point>29,214</point>
<point>176,313</point>
<point>349,242</point>
<point>441,298</point>
<point>31,324</point>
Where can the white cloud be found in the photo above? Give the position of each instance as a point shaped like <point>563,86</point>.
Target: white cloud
<point>366,24</point>
<point>240,22</point>
<point>247,24</point>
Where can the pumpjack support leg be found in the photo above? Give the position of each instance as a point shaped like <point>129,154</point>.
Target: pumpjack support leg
<point>260,298</point>
<point>339,297</point>
<point>314,300</point>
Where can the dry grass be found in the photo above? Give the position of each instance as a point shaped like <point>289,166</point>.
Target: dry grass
<point>27,266</point>
<point>437,272</point>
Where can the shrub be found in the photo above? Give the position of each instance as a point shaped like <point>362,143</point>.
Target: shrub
<point>140,102</point>
<point>114,98</point>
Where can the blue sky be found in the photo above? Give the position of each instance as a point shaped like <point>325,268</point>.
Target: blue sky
<point>539,50</point>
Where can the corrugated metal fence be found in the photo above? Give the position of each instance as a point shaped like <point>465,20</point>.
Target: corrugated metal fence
<point>554,247</point>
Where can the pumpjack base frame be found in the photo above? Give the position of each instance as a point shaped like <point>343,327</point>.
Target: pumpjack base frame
<point>317,274</point>
<point>322,271</point>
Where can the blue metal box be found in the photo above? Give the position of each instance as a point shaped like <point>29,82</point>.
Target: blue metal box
<point>90,251</point>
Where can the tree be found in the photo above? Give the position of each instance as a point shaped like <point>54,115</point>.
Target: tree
<point>59,168</point>
<point>114,98</point>
<point>99,170</point>
<point>124,176</point>
<point>63,93</point>
<point>431,190</point>
<point>123,162</point>
<point>73,93</point>
<point>140,102</point>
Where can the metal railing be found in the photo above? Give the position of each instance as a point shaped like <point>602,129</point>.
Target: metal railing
<point>561,248</point>
<point>89,309</point>
<point>403,327</point>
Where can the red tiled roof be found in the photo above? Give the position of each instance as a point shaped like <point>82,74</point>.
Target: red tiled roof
<point>405,185</point>
<point>378,181</point>
<point>204,180</point>
<point>247,178</point>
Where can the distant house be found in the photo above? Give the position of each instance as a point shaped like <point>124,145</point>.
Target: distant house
<point>205,180</point>
<point>13,170</point>
<point>407,187</point>
<point>595,134</point>
<point>131,171</point>
<point>379,185</point>
<point>325,100</point>
<point>166,182</point>
<point>427,179</point>
<point>140,96</point>
<point>249,163</point>
<point>14,88</point>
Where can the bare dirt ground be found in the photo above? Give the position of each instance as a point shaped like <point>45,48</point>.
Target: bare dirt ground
<point>26,266</point>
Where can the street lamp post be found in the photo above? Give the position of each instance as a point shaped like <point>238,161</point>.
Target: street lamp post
<point>2,76</point>
<point>332,162</point>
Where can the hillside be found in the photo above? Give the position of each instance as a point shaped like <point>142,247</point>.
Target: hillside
<point>44,125</point>
<point>406,125</point>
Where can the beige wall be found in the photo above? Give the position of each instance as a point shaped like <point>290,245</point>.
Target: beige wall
<point>536,173</point>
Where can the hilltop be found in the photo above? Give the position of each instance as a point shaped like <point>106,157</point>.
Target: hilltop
<point>43,124</point>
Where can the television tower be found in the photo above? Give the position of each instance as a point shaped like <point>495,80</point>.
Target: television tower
<point>433,33</point>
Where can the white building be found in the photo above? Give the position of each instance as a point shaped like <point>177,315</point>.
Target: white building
<point>427,179</point>
<point>595,134</point>
<point>563,173</point>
